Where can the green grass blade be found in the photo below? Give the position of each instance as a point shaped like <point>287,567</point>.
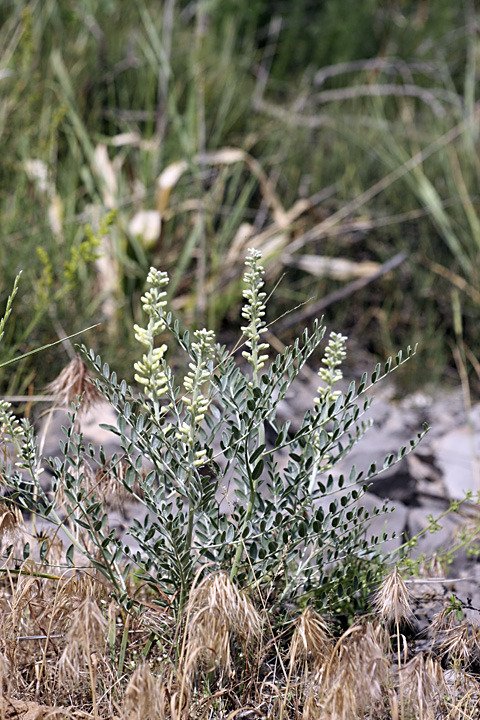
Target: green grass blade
<point>44,347</point>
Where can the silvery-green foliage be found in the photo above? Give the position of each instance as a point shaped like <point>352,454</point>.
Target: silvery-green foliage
<point>214,492</point>
<point>194,453</point>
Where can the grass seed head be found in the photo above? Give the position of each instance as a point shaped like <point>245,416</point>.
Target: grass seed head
<point>144,697</point>
<point>218,592</point>
<point>209,639</point>
<point>109,483</point>
<point>460,643</point>
<point>370,663</point>
<point>364,662</point>
<point>82,586</point>
<point>354,680</point>
<point>85,636</point>
<point>392,599</point>
<point>74,381</point>
<point>456,633</point>
<point>445,620</point>
<point>11,524</point>
<point>311,639</point>
<point>338,702</point>
<point>216,610</point>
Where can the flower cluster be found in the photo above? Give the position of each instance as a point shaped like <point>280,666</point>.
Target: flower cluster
<point>9,424</point>
<point>196,403</point>
<point>152,371</point>
<point>254,312</point>
<point>335,353</point>
<point>21,436</point>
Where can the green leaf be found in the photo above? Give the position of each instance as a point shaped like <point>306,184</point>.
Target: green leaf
<point>376,373</point>
<point>259,451</point>
<point>69,556</point>
<point>43,550</point>
<point>257,470</point>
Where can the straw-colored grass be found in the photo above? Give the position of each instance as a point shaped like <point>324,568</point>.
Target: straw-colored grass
<point>226,658</point>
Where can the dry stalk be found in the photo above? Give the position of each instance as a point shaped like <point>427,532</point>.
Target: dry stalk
<point>392,604</point>
<point>85,638</point>
<point>422,686</point>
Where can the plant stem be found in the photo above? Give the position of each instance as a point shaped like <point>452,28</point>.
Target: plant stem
<point>93,681</point>
<point>191,516</point>
<point>248,514</point>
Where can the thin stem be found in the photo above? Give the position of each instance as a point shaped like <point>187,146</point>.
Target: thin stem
<point>248,514</point>
<point>191,515</point>
<point>93,682</point>
<point>399,656</point>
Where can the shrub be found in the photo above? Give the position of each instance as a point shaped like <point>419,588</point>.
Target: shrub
<point>196,456</point>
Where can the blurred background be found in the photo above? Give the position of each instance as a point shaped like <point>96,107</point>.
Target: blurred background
<point>339,138</point>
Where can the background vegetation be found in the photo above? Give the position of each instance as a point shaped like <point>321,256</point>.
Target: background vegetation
<point>352,130</point>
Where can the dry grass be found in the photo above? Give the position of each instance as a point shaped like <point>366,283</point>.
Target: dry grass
<point>72,383</point>
<point>61,656</point>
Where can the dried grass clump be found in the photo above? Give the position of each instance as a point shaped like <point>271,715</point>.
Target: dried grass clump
<point>75,382</point>
<point>461,643</point>
<point>454,638</point>
<point>221,669</point>
<point>354,679</point>
<point>86,635</point>
<point>422,686</point>
<point>145,697</point>
<point>16,610</point>
<point>80,587</point>
<point>311,640</point>
<point>216,612</point>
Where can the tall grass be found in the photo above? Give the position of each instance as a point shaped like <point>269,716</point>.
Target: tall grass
<point>100,101</point>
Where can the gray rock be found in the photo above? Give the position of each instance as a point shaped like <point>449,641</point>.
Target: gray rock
<point>458,455</point>
<point>51,433</point>
<point>431,543</point>
<point>392,523</point>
